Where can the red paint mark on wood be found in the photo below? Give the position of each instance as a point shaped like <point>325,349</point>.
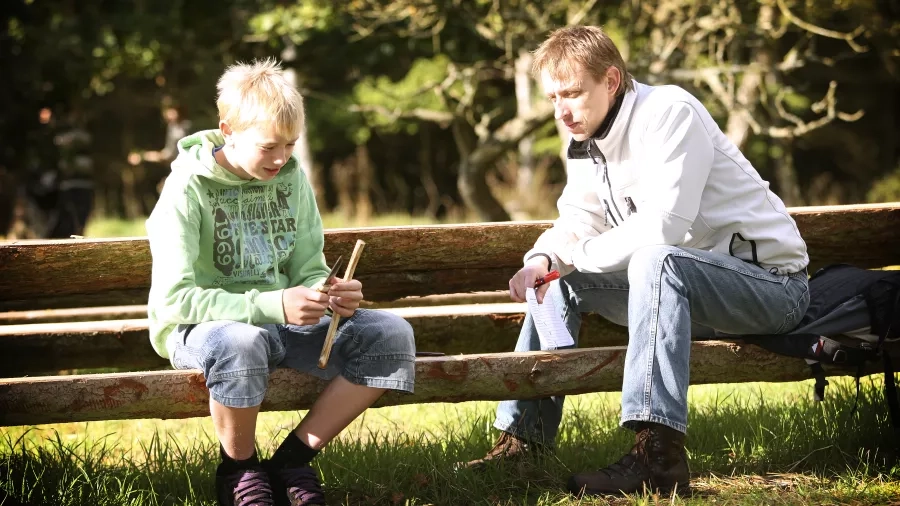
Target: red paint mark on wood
<point>438,370</point>
<point>511,385</point>
<point>601,365</point>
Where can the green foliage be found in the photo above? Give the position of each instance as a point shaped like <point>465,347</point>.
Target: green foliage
<point>297,21</point>
<point>416,90</point>
<point>887,189</point>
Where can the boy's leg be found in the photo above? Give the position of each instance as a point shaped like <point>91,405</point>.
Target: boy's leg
<point>672,287</point>
<point>374,351</point>
<point>236,359</point>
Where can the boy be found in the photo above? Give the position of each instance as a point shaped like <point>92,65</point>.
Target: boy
<point>237,241</point>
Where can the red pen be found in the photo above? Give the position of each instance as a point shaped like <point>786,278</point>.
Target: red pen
<point>550,276</point>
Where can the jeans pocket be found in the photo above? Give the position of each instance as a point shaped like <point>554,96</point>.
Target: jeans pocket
<point>798,290</point>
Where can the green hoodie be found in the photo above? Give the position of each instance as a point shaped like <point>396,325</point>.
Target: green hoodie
<point>224,248</point>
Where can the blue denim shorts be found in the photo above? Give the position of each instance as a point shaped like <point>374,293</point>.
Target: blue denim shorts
<point>372,348</point>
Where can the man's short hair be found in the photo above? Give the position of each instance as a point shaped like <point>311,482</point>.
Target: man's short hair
<point>568,50</point>
<point>258,94</point>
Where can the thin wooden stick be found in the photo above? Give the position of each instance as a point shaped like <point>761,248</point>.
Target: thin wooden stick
<point>336,318</point>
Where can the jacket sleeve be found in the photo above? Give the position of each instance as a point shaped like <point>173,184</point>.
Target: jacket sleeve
<point>677,155</point>
<point>174,232</point>
<point>306,265</point>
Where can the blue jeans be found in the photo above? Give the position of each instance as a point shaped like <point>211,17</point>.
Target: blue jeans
<point>371,348</point>
<point>667,295</point>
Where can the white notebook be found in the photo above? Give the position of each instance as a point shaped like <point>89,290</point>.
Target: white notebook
<point>550,326</point>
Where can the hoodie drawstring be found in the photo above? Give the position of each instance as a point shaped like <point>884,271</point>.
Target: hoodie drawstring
<point>240,221</point>
<point>271,238</point>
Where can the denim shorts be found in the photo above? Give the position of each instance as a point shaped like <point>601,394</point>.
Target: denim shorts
<point>372,348</point>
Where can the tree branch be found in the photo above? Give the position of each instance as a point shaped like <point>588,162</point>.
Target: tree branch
<point>848,37</point>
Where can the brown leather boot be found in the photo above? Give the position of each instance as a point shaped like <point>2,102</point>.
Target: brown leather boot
<point>507,449</point>
<point>657,461</point>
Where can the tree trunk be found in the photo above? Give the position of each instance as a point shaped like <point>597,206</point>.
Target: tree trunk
<point>525,172</point>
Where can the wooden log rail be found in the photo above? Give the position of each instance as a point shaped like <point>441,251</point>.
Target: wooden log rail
<point>399,261</point>
<point>479,328</point>
<point>182,394</point>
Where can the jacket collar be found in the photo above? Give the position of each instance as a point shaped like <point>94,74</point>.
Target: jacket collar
<point>613,128</point>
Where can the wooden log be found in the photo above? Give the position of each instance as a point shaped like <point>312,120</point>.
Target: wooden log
<point>50,347</point>
<point>80,314</point>
<point>182,394</point>
<point>420,260</point>
<point>102,313</point>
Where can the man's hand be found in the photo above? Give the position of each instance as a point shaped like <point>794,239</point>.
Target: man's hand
<point>345,296</point>
<point>303,306</point>
<point>525,278</point>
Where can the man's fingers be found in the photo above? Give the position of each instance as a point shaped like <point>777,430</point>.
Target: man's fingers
<point>540,291</point>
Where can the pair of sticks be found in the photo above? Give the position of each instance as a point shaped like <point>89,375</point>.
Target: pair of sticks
<point>336,318</point>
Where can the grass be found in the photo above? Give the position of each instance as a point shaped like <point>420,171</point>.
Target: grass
<point>748,444</point>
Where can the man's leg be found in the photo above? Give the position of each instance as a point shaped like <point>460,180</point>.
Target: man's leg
<point>672,287</point>
<point>533,424</point>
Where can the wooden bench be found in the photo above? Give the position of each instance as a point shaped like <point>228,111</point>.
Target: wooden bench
<point>398,262</point>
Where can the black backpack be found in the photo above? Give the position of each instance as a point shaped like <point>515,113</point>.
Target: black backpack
<point>852,321</point>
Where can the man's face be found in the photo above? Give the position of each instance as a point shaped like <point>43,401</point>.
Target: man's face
<point>581,101</point>
<point>258,153</point>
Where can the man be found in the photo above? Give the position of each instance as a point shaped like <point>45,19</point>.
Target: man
<point>663,226</point>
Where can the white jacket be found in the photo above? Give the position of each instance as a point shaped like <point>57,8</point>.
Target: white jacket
<point>664,173</point>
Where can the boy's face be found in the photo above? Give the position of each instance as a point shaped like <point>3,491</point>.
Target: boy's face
<point>256,153</point>
<point>582,102</point>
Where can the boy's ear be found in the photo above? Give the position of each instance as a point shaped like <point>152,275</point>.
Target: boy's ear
<point>225,128</point>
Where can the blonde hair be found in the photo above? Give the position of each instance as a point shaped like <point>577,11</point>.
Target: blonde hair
<point>258,94</point>
<point>568,50</point>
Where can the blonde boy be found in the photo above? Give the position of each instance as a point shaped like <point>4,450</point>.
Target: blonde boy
<point>237,241</point>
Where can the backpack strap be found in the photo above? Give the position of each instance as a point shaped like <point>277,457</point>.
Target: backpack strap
<point>890,395</point>
<point>819,374</point>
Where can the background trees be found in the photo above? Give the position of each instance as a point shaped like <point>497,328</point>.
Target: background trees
<point>426,107</point>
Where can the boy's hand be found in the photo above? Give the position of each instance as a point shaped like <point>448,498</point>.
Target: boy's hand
<point>526,277</point>
<point>303,306</point>
<point>345,296</point>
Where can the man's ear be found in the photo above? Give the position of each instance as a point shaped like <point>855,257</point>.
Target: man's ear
<point>613,80</point>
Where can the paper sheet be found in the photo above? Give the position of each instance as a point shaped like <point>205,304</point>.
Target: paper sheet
<point>550,326</point>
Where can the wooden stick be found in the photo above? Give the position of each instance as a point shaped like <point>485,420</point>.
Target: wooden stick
<point>336,318</point>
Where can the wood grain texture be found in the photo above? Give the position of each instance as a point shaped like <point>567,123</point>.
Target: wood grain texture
<point>182,394</point>
<point>33,349</point>
<point>399,261</point>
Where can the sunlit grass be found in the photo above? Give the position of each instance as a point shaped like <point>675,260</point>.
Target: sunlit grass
<point>754,443</point>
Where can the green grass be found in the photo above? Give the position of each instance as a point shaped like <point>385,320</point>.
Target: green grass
<point>748,444</point>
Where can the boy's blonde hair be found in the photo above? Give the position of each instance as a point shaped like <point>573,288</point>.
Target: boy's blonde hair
<point>258,94</point>
<point>570,49</point>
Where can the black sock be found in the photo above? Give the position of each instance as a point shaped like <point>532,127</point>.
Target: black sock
<point>292,453</point>
<point>230,465</point>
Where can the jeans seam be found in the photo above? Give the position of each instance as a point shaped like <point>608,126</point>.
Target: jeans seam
<point>781,279</point>
<point>243,373</point>
<point>640,417</point>
<point>395,356</point>
<point>379,382</point>
<point>654,324</point>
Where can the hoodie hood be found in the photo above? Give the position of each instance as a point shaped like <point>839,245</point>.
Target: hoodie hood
<point>195,155</point>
